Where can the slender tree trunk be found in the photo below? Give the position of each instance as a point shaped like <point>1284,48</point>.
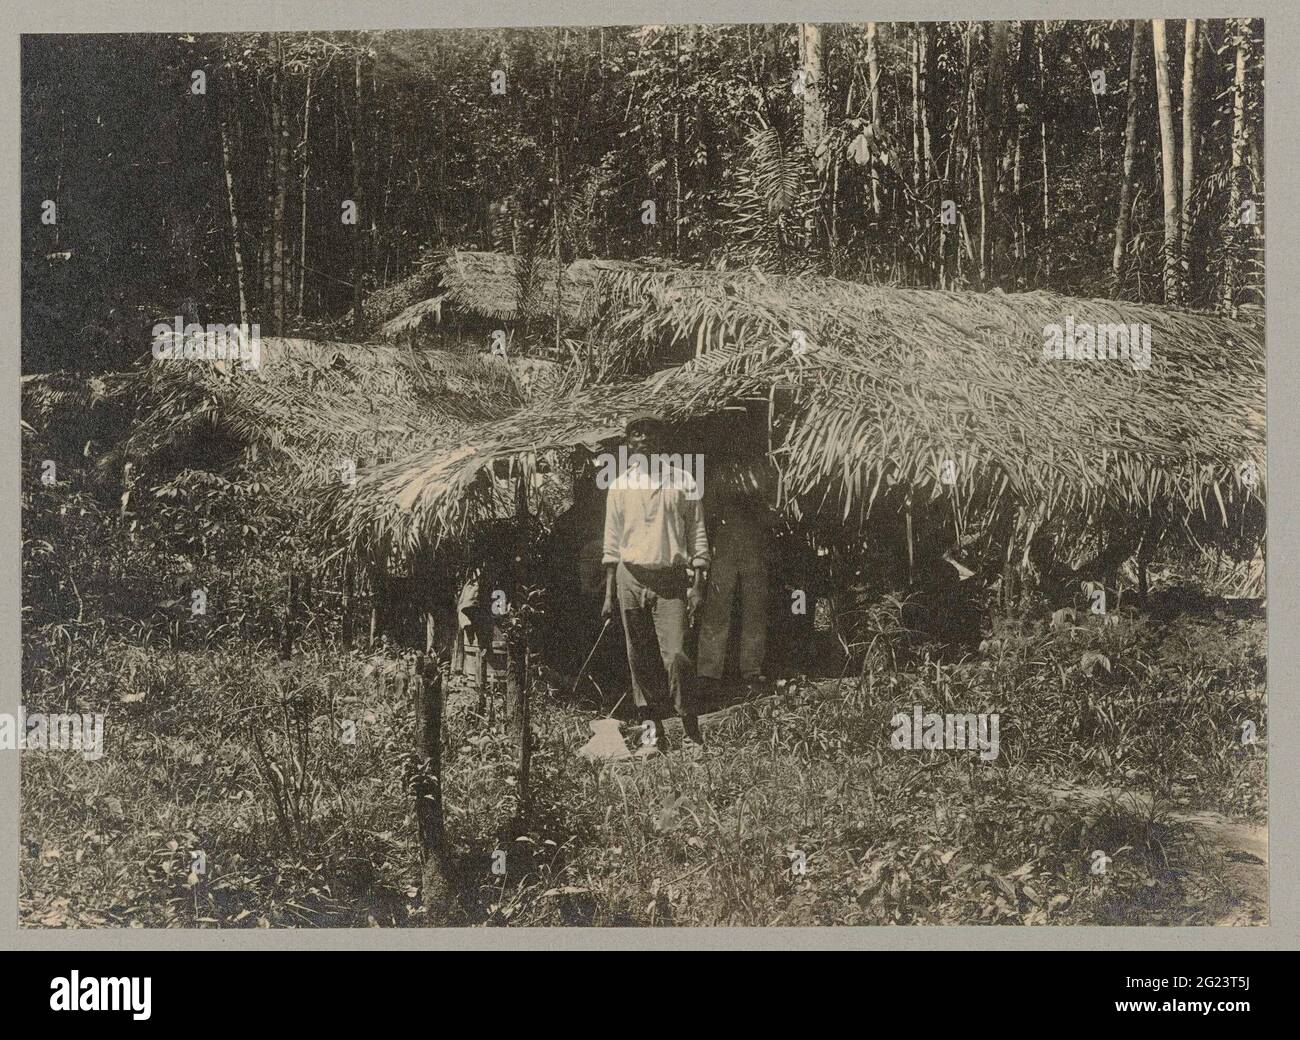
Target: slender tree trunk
<point>814,108</point>
<point>917,158</point>
<point>234,223</point>
<point>265,247</point>
<point>279,145</point>
<point>1236,176</point>
<point>1018,228</point>
<point>557,226</point>
<point>1130,154</point>
<point>873,88</point>
<point>1042,135</point>
<point>949,162</point>
<point>302,230</point>
<point>927,88</point>
<point>924,86</point>
<point>1021,88</point>
<point>1169,162</point>
<point>990,132</point>
<point>677,143</point>
<point>1189,150</point>
<point>358,290</point>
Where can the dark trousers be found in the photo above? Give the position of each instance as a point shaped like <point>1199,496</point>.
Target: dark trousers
<point>652,604</point>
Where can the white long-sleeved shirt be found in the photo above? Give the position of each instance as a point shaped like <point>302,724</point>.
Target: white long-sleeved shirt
<point>654,519</point>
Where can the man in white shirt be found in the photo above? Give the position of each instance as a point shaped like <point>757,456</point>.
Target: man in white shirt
<point>654,531</point>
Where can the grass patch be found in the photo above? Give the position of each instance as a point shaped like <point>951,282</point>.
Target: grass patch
<point>233,755</point>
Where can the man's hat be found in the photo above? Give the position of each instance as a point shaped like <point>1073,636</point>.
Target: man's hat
<point>644,418</point>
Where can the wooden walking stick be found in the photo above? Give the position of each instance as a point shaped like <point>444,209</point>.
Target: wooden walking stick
<point>582,671</point>
<point>606,743</point>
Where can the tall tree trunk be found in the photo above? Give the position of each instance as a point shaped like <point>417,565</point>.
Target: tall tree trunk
<point>279,145</point>
<point>928,75</point>
<point>234,223</point>
<point>306,167</point>
<point>949,164</point>
<point>873,88</point>
<point>1046,255</point>
<point>932,124</point>
<point>265,250</point>
<point>923,86</point>
<point>677,149</point>
<point>358,290</point>
<point>1189,151</point>
<point>1168,162</point>
<point>1130,154</point>
<point>1022,87</point>
<point>990,132</point>
<point>558,194</point>
<point>814,107</point>
<point>1236,186</point>
<point>917,157</point>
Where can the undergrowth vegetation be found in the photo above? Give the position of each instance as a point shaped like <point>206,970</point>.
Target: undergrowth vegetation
<point>237,789</point>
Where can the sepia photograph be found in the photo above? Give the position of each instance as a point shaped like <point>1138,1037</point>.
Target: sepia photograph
<point>804,474</point>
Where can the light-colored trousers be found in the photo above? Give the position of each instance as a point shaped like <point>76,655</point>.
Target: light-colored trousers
<point>652,605</point>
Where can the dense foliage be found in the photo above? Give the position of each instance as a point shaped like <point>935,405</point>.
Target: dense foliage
<point>828,148</point>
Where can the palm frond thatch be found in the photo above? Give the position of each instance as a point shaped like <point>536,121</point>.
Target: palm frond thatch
<point>489,285</point>
<point>383,303</point>
<point>872,389</point>
<point>422,314</point>
<point>318,403</point>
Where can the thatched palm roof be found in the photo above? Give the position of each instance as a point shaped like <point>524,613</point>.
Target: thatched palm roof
<point>503,287</point>
<point>869,391</point>
<point>914,376</point>
<point>493,286</point>
<point>317,403</point>
<point>381,304</point>
<point>880,389</point>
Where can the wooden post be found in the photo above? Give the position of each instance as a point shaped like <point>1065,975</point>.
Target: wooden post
<point>435,889</point>
<point>347,601</point>
<point>1009,576</point>
<point>517,709</point>
<point>358,242</point>
<point>305,592</point>
<point>525,743</point>
<point>515,684</point>
<point>128,485</point>
<point>290,619</point>
<point>1145,552</point>
<point>378,591</point>
<point>481,677</point>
